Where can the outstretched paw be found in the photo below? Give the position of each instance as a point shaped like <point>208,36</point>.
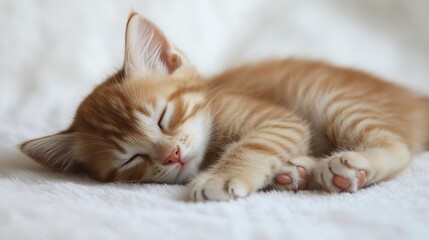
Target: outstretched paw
<point>215,187</point>
<point>344,172</point>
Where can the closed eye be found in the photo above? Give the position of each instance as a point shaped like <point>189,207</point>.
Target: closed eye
<point>160,119</point>
<point>133,158</point>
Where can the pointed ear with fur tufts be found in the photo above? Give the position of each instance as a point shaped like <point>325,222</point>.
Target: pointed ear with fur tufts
<point>147,50</point>
<point>54,151</point>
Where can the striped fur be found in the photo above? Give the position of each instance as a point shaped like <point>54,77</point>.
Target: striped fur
<point>252,140</point>
<point>358,121</point>
<point>238,130</point>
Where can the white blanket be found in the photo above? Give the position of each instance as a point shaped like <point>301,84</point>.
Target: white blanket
<point>52,53</point>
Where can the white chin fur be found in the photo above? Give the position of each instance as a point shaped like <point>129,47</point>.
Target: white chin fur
<point>198,129</point>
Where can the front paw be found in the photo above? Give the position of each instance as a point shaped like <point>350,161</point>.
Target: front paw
<point>217,187</point>
<point>343,172</point>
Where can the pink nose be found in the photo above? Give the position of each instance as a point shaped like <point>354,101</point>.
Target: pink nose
<point>174,157</point>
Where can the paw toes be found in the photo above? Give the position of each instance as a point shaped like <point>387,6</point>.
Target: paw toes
<point>342,172</point>
<point>341,182</point>
<point>304,178</point>
<point>361,175</point>
<point>284,179</point>
<point>344,183</point>
<point>302,172</point>
<point>218,188</point>
<point>297,180</point>
<point>203,194</point>
<point>237,189</point>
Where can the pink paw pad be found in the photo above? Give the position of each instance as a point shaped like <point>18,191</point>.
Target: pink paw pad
<point>344,183</point>
<point>285,179</point>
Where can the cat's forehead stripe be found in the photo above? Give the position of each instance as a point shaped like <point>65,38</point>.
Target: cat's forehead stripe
<point>179,92</point>
<point>146,108</point>
<point>193,112</point>
<point>143,109</point>
<point>178,111</point>
<point>117,145</point>
<point>148,123</point>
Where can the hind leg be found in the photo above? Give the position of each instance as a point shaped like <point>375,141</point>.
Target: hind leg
<point>379,156</point>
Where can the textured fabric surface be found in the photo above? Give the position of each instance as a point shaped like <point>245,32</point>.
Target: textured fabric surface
<point>52,53</point>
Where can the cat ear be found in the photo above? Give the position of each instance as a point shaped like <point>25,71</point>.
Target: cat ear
<point>54,151</point>
<point>147,50</point>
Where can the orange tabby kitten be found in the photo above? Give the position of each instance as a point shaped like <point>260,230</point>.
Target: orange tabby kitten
<point>304,124</point>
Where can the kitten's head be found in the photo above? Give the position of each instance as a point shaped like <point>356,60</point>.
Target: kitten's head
<point>149,122</point>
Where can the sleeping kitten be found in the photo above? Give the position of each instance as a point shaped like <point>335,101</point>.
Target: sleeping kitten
<point>291,124</point>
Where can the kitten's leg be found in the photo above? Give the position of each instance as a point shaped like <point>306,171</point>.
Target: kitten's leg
<point>270,138</point>
<point>246,169</point>
<point>379,155</point>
